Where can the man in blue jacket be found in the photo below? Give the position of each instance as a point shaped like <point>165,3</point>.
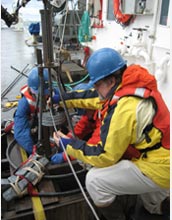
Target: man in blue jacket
<point>25,119</point>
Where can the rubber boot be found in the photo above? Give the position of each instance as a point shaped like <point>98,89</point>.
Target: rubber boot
<point>165,207</point>
<point>121,209</point>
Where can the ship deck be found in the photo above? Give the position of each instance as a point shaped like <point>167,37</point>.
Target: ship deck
<point>15,52</point>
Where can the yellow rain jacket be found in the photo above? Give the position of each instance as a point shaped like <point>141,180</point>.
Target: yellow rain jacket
<point>128,119</point>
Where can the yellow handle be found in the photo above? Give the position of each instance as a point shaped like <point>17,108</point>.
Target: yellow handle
<point>10,104</point>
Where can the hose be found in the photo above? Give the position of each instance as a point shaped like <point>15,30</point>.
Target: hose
<point>67,175</point>
<point>69,192</point>
<point>8,153</point>
<point>78,82</point>
<point>60,176</point>
<point>68,85</point>
<point>14,166</point>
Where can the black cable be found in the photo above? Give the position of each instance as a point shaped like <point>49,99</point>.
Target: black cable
<point>59,176</point>
<point>14,166</point>
<point>8,153</point>
<point>65,193</point>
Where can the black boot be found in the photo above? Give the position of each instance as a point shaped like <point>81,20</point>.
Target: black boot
<point>121,209</point>
<point>129,205</point>
<point>165,207</point>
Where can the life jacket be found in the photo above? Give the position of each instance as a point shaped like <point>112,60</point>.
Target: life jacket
<point>123,19</point>
<point>31,100</point>
<point>161,119</point>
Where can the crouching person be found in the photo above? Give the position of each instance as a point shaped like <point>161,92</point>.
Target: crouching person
<point>133,114</point>
<point>26,115</point>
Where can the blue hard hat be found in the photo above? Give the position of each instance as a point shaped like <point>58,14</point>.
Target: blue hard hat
<point>34,81</point>
<point>34,28</point>
<point>104,62</point>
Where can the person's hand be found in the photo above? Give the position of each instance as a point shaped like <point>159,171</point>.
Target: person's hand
<point>34,130</point>
<point>49,102</point>
<point>61,139</point>
<point>57,135</point>
<point>57,158</point>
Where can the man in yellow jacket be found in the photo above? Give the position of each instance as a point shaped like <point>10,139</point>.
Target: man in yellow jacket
<point>133,113</point>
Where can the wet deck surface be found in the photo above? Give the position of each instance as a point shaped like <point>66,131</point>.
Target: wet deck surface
<point>14,52</point>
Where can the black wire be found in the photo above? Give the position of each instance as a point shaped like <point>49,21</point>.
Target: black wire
<point>14,166</point>
<point>8,152</point>
<point>65,193</point>
<point>59,176</point>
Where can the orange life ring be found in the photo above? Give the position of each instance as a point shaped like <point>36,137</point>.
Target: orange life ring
<point>123,19</point>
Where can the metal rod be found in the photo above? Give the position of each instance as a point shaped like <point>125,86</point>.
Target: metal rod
<point>65,107</point>
<point>47,39</point>
<point>21,72</point>
<point>40,95</point>
<point>14,82</point>
<point>39,56</point>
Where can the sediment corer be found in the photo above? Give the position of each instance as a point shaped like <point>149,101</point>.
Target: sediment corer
<point>31,172</point>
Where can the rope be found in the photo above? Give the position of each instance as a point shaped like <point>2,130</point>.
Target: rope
<point>74,173</point>
<point>38,173</point>
<point>17,189</point>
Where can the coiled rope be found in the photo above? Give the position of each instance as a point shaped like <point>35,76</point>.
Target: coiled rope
<point>59,118</point>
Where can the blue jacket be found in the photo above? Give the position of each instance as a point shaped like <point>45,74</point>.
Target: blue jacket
<point>22,120</point>
<point>22,129</point>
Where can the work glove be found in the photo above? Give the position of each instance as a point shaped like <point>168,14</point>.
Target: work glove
<point>57,158</point>
<point>65,142</point>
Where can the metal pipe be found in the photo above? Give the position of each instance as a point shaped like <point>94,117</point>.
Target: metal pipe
<point>40,99</point>
<point>47,39</point>
<point>153,29</point>
<point>65,107</point>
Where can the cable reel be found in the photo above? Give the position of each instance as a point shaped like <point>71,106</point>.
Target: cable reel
<point>59,118</point>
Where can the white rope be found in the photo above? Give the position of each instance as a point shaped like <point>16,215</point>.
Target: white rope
<point>17,189</point>
<point>74,173</point>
